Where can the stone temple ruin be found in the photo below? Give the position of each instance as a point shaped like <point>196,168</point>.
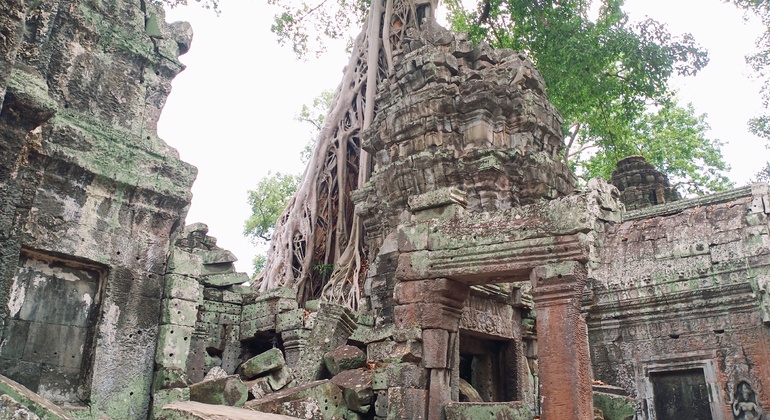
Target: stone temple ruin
<point>495,289</point>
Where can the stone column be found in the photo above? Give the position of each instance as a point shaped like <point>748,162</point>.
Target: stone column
<point>562,336</point>
<point>434,306</point>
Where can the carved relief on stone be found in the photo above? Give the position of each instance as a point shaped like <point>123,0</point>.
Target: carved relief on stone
<point>744,405</point>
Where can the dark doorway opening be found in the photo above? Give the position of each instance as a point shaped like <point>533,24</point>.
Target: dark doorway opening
<point>681,394</point>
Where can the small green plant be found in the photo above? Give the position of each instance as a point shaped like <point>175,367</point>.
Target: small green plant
<point>323,270</point>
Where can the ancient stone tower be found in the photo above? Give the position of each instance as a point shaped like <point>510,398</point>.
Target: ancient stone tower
<point>496,288</point>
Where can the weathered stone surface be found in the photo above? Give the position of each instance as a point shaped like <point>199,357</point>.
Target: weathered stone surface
<point>224,279</point>
<point>268,361</point>
<point>615,407</point>
<point>215,256</point>
<point>407,403</point>
<point>179,312</point>
<point>11,409</point>
<point>163,397</point>
<point>200,411</point>
<point>641,185</point>
<point>471,411</point>
<point>170,377</point>
<point>229,391</point>
<point>173,345</point>
<point>356,386</point>
<point>319,399</point>
<point>333,325</point>
<point>18,395</point>
<point>183,287</point>
<point>344,358</point>
<point>259,387</point>
<point>280,378</point>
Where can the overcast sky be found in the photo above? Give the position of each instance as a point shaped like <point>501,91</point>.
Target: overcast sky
<point>231,112</point>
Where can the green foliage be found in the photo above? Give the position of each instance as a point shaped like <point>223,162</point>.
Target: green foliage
<point>324,270</point>
<point>673,139</point>
<point>314,115</point>
<point>603,75</point>
<point>267,202</point>
<point>258,264</point>
<point>212,5</point>
<point>306,27</point>
<point>760,61</point>
<point>763,175</point>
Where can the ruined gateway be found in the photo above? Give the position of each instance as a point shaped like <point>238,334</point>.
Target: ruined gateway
<point>495,288</point>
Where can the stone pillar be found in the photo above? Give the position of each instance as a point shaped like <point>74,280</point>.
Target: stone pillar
<point>434,306</point>
<point>562,337</point>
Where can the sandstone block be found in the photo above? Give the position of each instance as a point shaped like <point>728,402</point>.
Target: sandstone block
<point>215,256</point>
<point>173,345</point>
<point>192,410</point>
<point>499,410</point>
<point>268,307</point>
<point>224,279</point>
<point>251,327</point>
<point>182,287</point>
<point>184,263</point>
<point>391,351</point>
<point>229,390</point>
<point>289,401</point>
<point>407,403</point>
<point>356,387</point>
<point>170,377</point>
<point>179,312</point>
<point>290,320</point>
<point>435,345</point>
<point>344,358</point>
<point>163,397</point>
<point>265,362</point>
<point>259,387</point>
<point>280,378</point>
<point>427,315</point>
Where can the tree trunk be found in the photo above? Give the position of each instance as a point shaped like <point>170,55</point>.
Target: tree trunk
<point>318,232</point>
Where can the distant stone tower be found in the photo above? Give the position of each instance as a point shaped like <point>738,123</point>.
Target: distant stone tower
<point>641,185</point>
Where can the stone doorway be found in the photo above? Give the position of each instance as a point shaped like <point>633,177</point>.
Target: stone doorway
<point>47,342</point>
<point>681,394</point>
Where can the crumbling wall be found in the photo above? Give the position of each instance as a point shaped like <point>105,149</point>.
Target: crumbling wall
<point>90,197</point>
<point>680,296</point>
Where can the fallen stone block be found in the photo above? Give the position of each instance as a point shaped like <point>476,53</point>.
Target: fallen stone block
<point>280,378</point>
<point>164,397</point>
<point>515,410</point>
<point>264,362</point>
<point>198,411</point>
<point>12,410</point>
<point>344,358</point>
<point>259,387</point>
<point>356,387</point>
<point>319,399</point>
<point>33,402</point>
<point>229,390</point>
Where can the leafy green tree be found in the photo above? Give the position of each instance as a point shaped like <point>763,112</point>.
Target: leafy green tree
<point>671,138</point>
<point>603,75</point>
<point>267,201</point>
